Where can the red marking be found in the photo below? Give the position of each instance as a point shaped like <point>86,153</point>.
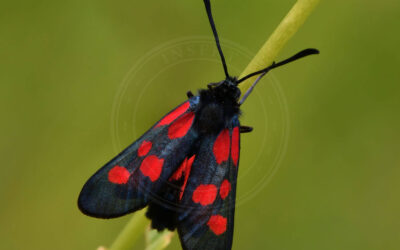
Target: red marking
<point>179,172</point>
<point>144,148</point>
<point>205,194</point>
<point>151,167</point>
<point>187,172</point>
<point>184,168</point>
<point>217,224</point>
<point>118,175</point>
<point>235,145</point>
<point>221,146</point>
<point>174,114</point>
<point>181,126</point>
<point>224,189</point>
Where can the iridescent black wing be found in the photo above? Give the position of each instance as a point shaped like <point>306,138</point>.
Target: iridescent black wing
<point>135,176</point>
<point>208,202</point>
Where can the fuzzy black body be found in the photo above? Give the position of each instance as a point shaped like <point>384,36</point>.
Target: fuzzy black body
<point>218,105</point>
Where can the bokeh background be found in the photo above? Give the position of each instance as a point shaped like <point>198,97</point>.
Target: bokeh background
<point>62,64</point>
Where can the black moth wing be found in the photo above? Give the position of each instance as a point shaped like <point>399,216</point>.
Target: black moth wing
<point>131,179</point>
<point>208,203</point>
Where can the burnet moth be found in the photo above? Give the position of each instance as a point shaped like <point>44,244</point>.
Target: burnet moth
<point>184,168</point>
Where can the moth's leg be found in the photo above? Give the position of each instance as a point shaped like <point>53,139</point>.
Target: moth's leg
<point>245,129</point>
<point>189,94</point>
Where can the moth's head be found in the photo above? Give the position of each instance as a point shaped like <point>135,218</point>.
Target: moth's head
<point>226,89</point>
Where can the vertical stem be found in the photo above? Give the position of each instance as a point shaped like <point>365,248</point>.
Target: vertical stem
<point>282,34</point>
<point>131,232</point>
<point>157,240</point>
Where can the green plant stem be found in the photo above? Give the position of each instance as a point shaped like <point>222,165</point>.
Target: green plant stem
<point>282,34</point>
<point>157,240</point>
<point>265,56</point>
<point>131,232</point>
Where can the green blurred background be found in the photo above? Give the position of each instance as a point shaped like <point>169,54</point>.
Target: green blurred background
<point>63,62</point>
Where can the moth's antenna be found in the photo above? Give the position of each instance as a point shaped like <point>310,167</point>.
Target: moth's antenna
<point>299,55</point>
<point>263,72</point>
<point>210,18</point>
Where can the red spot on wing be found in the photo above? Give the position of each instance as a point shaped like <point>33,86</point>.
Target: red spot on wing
<point>183,170</point>
<point>174,114</point>
<point>151,167</point>
<point>217,224</point>
<point>181,126</point>
<point>179,172</point>
<point>225,189</point>
<point>144,148</point>
<point>205,194</point>
<point>221,146</point>
<point>118,175</point>
<point>187,172</point>
<point>235,145</point>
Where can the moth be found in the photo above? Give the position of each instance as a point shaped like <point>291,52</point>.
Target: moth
<point>185,167</point>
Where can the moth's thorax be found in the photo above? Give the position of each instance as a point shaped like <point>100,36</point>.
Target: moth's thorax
<point>218,105</point>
